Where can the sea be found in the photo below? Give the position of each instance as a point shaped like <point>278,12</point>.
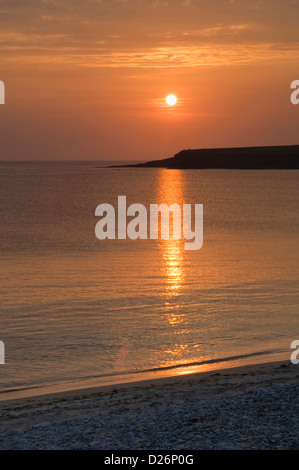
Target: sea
<point>78,312</point>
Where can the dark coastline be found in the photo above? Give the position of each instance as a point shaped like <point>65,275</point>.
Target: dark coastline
<point>243,158</point>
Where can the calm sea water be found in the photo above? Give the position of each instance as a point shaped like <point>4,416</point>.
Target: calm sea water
<point>75,309</point>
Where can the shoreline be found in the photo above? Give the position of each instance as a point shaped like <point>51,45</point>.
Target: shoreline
<point>243,407</point>
<point>91,386</point>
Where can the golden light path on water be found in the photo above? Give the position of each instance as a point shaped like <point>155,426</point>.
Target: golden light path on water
<point>171,191</point>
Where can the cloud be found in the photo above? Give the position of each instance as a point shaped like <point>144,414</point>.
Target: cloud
<point>143,33</point>
<point>160,57</point>
<point>221,30</point>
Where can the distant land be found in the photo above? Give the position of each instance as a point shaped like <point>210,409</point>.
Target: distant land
<point>244,158</point>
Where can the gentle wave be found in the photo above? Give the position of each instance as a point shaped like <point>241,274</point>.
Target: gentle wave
<point>154,369</point>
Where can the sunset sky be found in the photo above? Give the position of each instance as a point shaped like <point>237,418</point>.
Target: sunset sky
<point>87,80</point>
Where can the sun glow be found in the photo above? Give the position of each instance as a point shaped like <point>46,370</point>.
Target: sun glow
<point>171,100</point>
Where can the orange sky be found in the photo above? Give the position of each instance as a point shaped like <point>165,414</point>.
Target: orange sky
<point>86,79</point>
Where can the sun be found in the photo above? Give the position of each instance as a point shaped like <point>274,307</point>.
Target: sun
<point>171,100</point>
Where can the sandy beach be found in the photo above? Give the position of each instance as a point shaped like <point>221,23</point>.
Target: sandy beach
<point>249,407</point>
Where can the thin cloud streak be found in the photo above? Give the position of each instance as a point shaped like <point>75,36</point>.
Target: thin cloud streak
<point>160,57</point>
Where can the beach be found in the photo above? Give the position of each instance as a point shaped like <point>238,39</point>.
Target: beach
<point>248,407</point>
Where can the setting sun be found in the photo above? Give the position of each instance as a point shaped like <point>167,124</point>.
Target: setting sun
<point>171,100</point>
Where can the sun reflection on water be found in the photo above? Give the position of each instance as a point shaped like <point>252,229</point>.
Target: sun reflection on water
<point>171,191</point>
<point>173,266</point>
